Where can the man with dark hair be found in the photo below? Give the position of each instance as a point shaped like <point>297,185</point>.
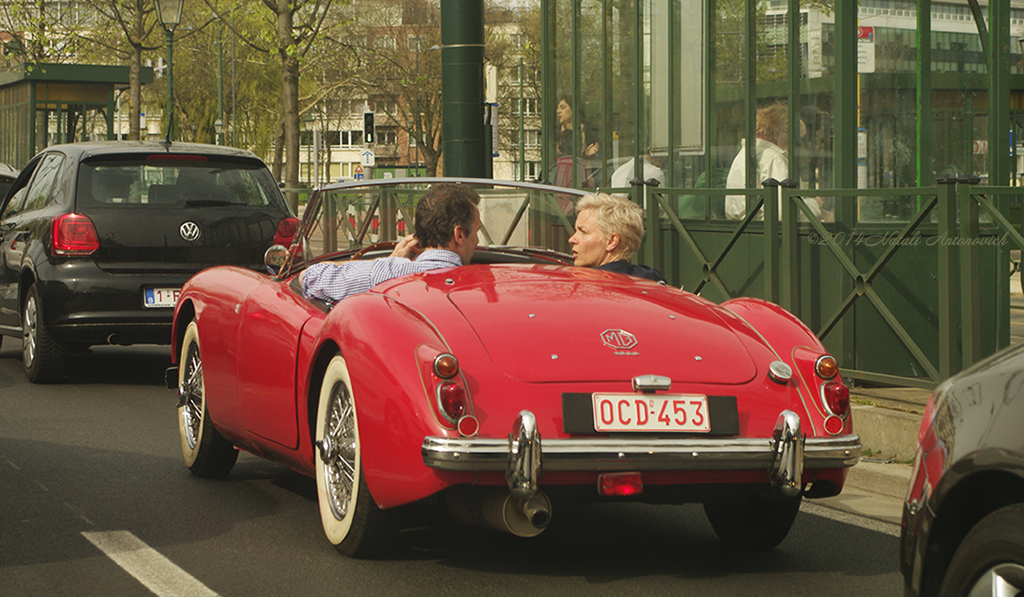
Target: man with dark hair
<point>447,223</point>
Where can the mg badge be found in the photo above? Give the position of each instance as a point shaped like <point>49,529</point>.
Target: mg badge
<point>189,231</point>
<point>618,339</point>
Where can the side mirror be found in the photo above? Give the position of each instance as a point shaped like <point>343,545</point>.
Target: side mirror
<point>275,257</point>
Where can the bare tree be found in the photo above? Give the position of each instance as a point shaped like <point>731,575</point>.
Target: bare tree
<point>123,28</point>
<point>389,53</point>
<point>294,26</point>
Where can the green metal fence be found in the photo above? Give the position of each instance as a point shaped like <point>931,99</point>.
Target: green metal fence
<point>907,293</point>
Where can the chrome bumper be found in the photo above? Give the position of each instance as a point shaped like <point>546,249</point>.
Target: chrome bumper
<point>783,456</point>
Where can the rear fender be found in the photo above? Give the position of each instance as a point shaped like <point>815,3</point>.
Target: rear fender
<point>379,339</point>
<point>798,347</point>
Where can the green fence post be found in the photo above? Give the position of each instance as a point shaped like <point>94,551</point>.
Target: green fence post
<point>969,283</point>
<point>771,241</point>
<point>949,358</point>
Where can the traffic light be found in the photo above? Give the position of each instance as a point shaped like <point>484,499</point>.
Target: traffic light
<point>368,128</point>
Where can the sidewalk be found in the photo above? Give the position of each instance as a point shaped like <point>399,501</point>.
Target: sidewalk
<point>887,421</point>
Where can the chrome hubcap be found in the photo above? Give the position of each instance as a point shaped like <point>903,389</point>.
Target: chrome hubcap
<point>1003,580</point>
<point>337,451</point>
<point>191,391</point>
<point>30,325</point>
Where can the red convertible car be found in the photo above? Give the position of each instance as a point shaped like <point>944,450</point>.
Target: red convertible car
<point>504,389</point>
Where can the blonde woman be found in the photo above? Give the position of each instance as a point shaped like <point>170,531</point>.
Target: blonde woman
<point>608,232</point>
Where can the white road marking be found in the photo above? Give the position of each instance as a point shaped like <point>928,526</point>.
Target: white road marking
<point>863,522</point>
<point>154,571</point>
<point>79,513</point>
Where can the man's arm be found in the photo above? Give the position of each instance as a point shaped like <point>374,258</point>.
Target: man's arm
<point>329,281</point>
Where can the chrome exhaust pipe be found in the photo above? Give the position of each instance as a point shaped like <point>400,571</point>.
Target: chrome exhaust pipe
<point>494,507</point>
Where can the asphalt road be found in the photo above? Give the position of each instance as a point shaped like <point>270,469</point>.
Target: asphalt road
<point>96,502</point>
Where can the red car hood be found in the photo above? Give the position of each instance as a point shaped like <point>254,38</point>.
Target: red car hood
<point>555,324</point>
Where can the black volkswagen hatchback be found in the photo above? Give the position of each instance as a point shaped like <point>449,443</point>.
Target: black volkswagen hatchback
<point>98,238</point>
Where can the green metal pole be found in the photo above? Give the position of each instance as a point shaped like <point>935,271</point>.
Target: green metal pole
<point>999,148</point>
<point>750,99</point>
<point>169,37</point>
<point>845,151</point>
<point>925,169</point>
<point>462,87</point>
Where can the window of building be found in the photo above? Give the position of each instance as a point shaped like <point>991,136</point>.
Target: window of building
<point>385,106</point>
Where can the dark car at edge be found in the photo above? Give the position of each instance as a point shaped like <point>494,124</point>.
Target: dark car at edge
<point>99,237</point>
<point>963,519</point>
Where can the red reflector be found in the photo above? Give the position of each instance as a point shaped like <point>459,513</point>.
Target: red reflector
<point>620,484</point>
<point>833,425</point>
<point>468,426</point>
<point>837,398</point>
<point>286,229</point>
<point>452,400</point>
<point>74,234</point>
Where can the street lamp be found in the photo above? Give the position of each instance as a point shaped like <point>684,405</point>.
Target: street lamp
<point>169,14</point>
<point>307,123</point>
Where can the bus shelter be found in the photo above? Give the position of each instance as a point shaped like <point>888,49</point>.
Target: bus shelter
<point>46,104</point>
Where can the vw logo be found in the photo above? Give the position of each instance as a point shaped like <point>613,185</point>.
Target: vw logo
<point>189,231</point>
<point>618,339</point>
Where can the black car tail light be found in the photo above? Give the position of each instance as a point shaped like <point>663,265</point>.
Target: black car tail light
<point>286,230</point>
<point>176,157</point>
<point>74,234</point>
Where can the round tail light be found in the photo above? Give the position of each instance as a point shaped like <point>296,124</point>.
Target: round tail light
<point>446,366</point>
<point>826,367</point>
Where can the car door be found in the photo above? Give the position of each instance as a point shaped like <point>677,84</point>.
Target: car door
<point>273,319</point>
<point>16,230</point>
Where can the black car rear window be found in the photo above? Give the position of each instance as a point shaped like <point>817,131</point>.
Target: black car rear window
<point>175,181</point>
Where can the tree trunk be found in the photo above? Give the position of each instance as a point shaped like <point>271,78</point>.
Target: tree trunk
<point>289,99</point>
<point>278,164</point>
<point>134,94</point>
<point>135,77</point>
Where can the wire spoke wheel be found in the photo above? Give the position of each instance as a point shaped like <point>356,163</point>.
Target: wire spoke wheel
<point>339,451</point>
<point>205,451</point>
<point>192,387</point>
<point>351,519</point>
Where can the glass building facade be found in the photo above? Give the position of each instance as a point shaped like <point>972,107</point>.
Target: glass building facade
<point>893,126</point>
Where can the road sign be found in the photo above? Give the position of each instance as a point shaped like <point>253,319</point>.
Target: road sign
<point>367,158</point>
<point>357,172</point>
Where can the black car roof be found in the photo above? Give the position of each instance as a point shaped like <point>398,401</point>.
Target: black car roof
<point>87,149</point>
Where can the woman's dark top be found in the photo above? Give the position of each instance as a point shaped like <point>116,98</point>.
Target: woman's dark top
<point>640,271</point>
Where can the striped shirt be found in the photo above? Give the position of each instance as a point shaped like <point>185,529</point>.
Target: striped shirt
<point>335,281</point>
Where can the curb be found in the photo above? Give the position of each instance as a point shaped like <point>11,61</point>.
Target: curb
<point>890,434</point>
<point>880,478</point>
